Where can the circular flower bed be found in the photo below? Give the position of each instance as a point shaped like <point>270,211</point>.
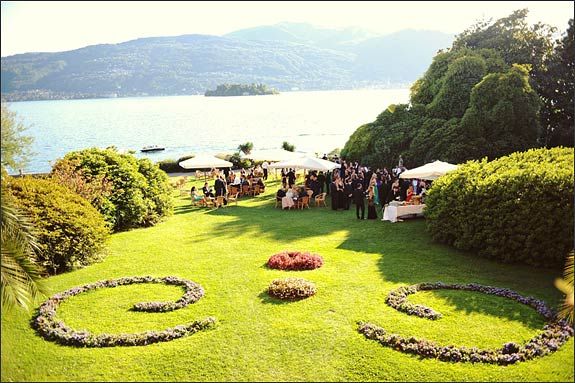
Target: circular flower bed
<point>50,328</point>
<point>295,260</point>
<point>291,289</point>
<point>555,333</point>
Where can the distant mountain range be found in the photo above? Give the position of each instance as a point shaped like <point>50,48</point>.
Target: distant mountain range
<point>286,56</point>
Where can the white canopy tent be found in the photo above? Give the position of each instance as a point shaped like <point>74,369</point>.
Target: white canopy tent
<point>430,171</point>
<point>310,163</point>
<point>205,162</point>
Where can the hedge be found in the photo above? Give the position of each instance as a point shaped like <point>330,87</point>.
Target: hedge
<point>517,208</point>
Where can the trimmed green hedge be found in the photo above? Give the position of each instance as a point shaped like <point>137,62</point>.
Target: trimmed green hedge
<point>71,232</point>
<point>517,208</point>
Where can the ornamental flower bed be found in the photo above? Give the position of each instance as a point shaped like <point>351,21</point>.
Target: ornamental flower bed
<point>295,260</point>
<point>291,289</point>
<point>555,333</point>
<point>50,328</point>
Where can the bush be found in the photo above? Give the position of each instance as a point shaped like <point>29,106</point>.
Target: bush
<point>295,260</point>
<point>291,289</point>
<point>517,208</point>
<point>172,166</point>
<point>140,192</point>
<point>71,232</point>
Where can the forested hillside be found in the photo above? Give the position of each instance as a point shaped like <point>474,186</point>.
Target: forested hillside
<point>284,57</point>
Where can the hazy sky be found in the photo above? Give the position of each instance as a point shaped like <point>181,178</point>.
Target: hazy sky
<point>52,26</point>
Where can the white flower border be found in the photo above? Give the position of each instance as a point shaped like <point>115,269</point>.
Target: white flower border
<point>555,333</point>
<point>50,328</point>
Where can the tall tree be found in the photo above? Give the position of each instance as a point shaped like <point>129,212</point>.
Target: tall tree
<point>557,117</point>
<point>15,147</point>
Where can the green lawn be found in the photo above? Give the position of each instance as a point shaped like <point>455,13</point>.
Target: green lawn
<point>258,338</point>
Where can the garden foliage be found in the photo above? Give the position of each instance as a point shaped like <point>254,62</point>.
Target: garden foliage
<point>71,233</point>
<point>517,208</point>
<point>140,192</point>
<point>295,260</point>
<point>291,289</point>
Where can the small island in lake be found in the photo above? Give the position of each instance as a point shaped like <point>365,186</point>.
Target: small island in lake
<point>240,90</point>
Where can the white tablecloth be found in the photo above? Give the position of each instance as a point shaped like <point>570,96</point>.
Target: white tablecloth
<point>391,213</point>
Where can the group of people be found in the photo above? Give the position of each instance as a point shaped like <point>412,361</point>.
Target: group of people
<point>223,183</point>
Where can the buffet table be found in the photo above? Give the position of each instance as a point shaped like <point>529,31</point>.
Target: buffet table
<point>392,213</point>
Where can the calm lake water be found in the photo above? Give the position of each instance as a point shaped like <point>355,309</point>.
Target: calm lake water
<point>311,121</point>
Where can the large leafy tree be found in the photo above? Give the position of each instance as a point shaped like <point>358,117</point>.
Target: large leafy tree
<point>20,279</point>
<point>557,94</point>
<point>15,145</point>
<point>497,90</point>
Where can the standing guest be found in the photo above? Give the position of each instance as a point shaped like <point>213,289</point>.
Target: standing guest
<point>291,177</point>
<point>347,193</point>
<point>221,188</point>
<point>320,181</point>
<point>371,212</point>
<point>265,166</point>
<point>340,193</point>
<point>359,201</point>
<point>333,191</point>
<point>394,194</point>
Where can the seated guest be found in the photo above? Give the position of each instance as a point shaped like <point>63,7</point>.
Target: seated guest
<point>195,196</point>
<point>207,190</point>
<point>409,194</point>
<point>261,184</point>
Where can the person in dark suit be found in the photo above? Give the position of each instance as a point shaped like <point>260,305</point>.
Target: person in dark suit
<point>347,193</point>
<point>221,188</point>
<point>207,190</point>
<point>359,201</point>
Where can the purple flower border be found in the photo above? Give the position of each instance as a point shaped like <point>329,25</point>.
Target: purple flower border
<point>50,328</point>
<point>555,333</point>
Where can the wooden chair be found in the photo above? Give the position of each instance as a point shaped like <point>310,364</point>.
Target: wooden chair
<point>309,193</point>
<point>219,201</point>
<point>278,202</point>
<point>320,199</point>
<point>233,190</point>
<point>303,202</point>
<point>255,191</point>
<point>233,198</point>
<point>245,190</point>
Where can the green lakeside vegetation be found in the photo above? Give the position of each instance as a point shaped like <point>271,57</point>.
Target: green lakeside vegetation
<point>225,90</point>
<point>503,219</point>
<point>259,338</point>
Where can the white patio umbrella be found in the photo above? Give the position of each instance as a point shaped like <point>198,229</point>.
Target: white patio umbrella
<point>429,171</point>
<point>310,163</point>
<point>205,162</point>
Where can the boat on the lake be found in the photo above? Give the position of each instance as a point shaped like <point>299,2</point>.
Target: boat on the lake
<point>152,148</point>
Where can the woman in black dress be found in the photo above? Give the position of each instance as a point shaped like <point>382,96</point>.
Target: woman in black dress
<point>371,212</point>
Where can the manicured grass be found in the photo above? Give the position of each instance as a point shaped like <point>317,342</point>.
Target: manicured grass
<point>258,338</point>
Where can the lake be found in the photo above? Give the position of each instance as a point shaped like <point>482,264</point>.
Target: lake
<point>315,122</point>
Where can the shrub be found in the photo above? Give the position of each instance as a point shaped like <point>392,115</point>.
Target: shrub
<point>71,232</point>
<point>140,192</point>
<point>172,166</point>
<point>295,260</point>
<point>291,289</point>
<point>517,208</point>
